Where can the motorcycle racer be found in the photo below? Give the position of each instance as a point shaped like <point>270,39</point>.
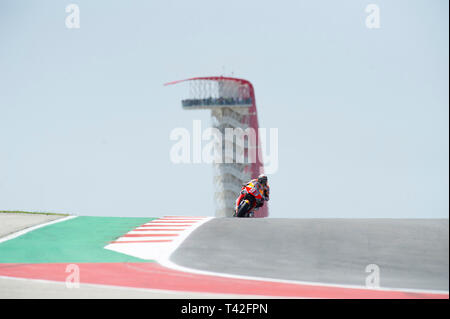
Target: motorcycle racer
<point>256,191</point>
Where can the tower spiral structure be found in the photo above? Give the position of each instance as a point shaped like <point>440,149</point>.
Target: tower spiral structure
<point>233,106</point>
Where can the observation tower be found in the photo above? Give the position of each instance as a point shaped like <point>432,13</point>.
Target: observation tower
<point>233,109</point>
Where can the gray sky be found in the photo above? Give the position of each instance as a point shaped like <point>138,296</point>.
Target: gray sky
<point>362,114</point>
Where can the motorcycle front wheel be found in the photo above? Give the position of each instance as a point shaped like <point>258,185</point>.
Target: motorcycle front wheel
<point>243,209</point>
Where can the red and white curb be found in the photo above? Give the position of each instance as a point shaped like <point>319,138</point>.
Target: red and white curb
<point>157,239</point>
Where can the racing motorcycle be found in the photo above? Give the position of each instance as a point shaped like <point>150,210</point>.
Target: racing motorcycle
<point>252,200</point>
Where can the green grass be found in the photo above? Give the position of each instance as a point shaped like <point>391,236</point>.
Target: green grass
<point>22,212</point>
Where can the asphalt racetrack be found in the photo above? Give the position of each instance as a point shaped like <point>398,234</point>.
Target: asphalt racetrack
<point>409,253</point>
<point>14,222</point>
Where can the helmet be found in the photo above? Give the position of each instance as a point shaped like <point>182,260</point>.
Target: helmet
<point>262,179</point>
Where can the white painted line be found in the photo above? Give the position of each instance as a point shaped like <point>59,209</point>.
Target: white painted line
<point>169,264</point>
<point>160,230</point>
<point>170,223</point>
<point>147,232</point>
<point>177,219</point>
<point>138,239</point>
<point>27,230</point>
<point>167,225</point>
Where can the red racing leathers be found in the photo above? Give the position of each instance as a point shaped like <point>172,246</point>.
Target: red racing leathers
<point>259,191</point>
